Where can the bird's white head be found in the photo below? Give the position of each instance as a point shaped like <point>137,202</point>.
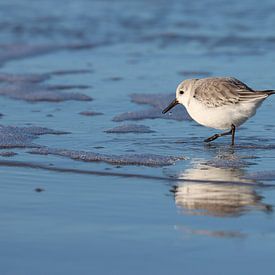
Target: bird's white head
<point>183,94</point>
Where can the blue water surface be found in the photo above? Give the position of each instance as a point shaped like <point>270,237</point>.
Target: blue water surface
<point>210,212</point>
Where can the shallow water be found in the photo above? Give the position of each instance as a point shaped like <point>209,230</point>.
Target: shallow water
<point>94,179</point>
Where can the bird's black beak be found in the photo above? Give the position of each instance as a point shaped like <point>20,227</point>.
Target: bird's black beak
<point>170,106</point>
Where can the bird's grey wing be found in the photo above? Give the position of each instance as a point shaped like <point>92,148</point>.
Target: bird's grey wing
<point>216,92</point>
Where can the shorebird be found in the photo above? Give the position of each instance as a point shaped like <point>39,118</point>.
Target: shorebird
<point>222,103</point>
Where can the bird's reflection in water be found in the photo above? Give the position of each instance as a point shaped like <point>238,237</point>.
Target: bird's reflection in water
<point>214,198</point>
<point>211,233</point>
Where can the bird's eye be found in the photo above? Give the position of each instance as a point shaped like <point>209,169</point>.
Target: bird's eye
<point>181,92</point>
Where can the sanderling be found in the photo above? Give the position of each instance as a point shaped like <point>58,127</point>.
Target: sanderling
<point>219,102</point>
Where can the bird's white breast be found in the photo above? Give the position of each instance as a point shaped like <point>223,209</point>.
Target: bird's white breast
<point>221,117</point>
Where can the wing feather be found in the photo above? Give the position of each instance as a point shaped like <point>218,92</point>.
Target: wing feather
<point>220,91</point>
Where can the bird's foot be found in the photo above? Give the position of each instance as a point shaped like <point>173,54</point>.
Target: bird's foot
<point>212,138</point>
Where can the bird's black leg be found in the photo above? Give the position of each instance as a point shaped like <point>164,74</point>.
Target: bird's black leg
<point>233,129</point>
<point>231,132</point>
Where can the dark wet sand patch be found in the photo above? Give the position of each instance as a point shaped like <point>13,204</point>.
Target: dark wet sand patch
<point>129,159</point>
<point>256,146</point>
<point>158,103</point>
<point>130,128</point>
<point>227,163</point>
<point>10,52</point>
<point>26,78</point>
<point>17,51</point>
<point>241,144</point>
<point>90,113</point>
<point>69,72</point>
<point>7,154</point>
<point>68,87</point>
<point>114,78</point>
<point>22,137</point>
<point>36,93</point>
<point>230,161</point>
<point>28,87</point>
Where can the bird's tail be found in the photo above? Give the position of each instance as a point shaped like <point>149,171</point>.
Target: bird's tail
<point>268,92</point>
